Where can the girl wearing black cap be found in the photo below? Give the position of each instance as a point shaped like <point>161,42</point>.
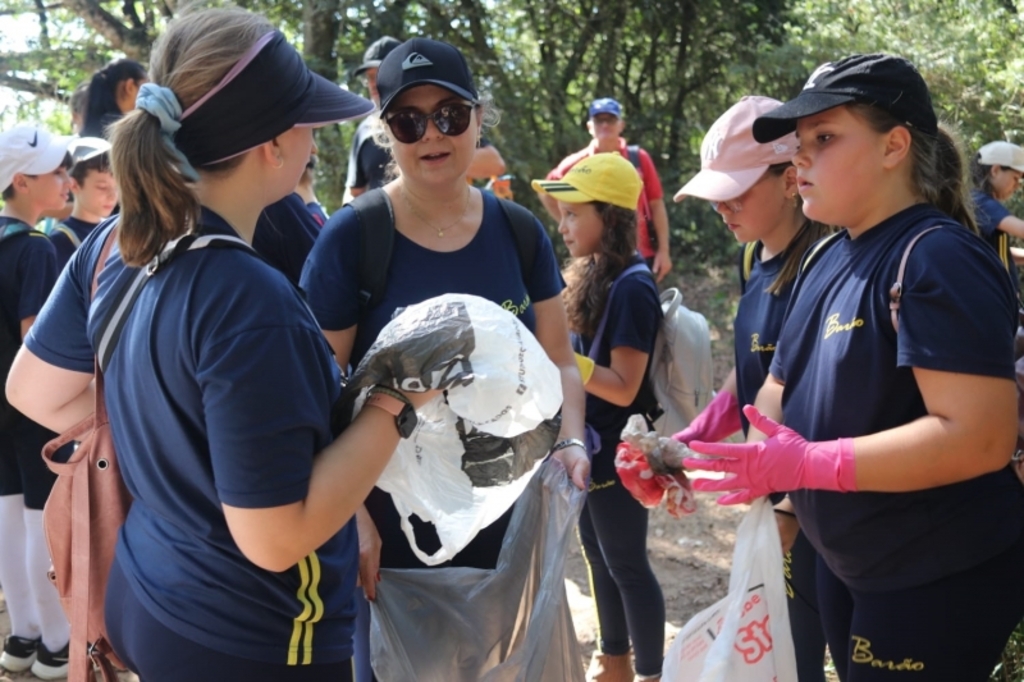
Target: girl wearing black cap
<point>449,237</point>
<point>239,556</point>
<point>889,411</point>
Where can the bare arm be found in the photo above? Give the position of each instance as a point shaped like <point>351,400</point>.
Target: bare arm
<point>487,162</point>
<point>619,383</point>
<point>662,259</point>
<point>729,385</point>
<point>54,397</point>
<point>1013,226</point>
<point>769,403</point>
<point>341,343</point>
<point>970,430</point>
<point>553,334</point>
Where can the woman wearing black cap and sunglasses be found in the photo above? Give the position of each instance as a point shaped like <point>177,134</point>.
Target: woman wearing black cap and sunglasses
<point>449,237</point>
<point>239,556</point>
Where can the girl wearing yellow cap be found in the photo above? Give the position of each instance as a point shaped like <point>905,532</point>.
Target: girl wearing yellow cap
<point>614,313</point>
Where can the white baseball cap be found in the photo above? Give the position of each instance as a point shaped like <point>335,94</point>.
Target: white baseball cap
<point>1005,154</point>
<point>85,148</point>
<point>29,150</point>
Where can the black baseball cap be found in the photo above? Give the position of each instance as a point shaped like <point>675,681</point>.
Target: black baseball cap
<point>376,52</point>
<point>880,80</point>
<point>422,61</point>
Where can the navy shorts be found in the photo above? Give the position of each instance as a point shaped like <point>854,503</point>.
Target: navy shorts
<point>22,469</point>
<point>158,654</point>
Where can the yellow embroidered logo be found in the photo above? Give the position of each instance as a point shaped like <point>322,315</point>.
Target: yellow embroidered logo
<point>834,326</point>
<point>517,310</point>
<point>862,654</point>
<point>756,347</point>
<point>600,486</point>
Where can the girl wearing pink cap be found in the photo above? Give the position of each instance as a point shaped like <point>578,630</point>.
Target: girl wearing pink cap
<point>753,187</point>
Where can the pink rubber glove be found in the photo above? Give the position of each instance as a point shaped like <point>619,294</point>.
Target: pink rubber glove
<point>720,419</point>
<point>783,462</point>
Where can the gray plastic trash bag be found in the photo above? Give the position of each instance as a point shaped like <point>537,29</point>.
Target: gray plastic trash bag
<point>509,624</point>
<point>474,449</point>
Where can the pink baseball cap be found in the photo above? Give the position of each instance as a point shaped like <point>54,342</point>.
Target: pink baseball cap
<point>731,161</point>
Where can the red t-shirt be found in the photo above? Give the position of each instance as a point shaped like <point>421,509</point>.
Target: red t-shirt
<point>651,188</point>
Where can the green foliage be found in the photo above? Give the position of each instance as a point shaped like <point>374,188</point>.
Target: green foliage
<point>1011,665</point>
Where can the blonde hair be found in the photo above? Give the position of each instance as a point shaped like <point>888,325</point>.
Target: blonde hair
<point>157,203</point>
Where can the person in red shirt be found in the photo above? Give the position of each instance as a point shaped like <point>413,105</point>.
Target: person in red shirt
<point>606,126</point>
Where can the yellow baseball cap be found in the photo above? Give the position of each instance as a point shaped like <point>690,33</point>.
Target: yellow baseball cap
<point>602,177</point>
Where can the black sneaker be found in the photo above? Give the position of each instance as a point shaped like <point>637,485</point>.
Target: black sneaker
<point>51,665</point>
<point>19,653</point>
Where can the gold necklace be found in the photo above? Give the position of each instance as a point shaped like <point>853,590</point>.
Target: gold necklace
<point>423,219</point>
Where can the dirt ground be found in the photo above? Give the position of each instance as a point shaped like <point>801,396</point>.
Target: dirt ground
<point>691,556</point>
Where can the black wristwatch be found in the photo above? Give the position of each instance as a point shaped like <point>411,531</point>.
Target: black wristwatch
<point>397,404</point>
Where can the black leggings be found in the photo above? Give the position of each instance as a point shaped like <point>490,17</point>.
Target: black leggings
<point>158,654</point>
<point>804,620</point>
<point>950,630</point>
<point>630,605</point>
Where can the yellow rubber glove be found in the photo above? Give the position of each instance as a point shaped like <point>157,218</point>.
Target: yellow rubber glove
<point>586,366</point>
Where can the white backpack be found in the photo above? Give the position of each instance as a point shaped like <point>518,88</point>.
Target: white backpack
<point>680,370</point>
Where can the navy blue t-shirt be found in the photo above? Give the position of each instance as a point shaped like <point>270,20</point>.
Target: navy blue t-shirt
<point>487,267</point>
<point>367,162</point>
<point>285,233</point>
<point>634,318</point>
<point>847,373</point>
<point>62,242</point>
<point>219,392</point>
<point>989,213</point>
<point>757,326</point>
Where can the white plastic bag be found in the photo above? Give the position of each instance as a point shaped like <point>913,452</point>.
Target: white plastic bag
<point>745,637</point>
<point>475,449</point>
<point>508,624</point>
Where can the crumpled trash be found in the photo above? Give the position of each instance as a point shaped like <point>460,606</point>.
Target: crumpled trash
<point>476,446</point>
<point>650,467</point>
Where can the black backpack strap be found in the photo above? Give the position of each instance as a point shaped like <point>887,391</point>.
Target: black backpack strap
<point>109,332</point>
<point>524,230</point>
<point>376,241</point>
<point>633,152</point>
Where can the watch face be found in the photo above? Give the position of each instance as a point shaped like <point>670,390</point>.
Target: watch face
<point>406,421</point>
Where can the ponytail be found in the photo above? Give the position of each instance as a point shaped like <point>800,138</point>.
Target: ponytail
<point>939,173</point>
<point>158,203</point>
<point>809,233</point>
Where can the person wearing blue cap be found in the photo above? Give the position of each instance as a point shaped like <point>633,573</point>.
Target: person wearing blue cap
<point>239,555</point>
<point>605,125</point>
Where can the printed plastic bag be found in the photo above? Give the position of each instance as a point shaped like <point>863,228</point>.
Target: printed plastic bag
<point>476,448</point>
<point>509,624</point>
<point>745,637</point>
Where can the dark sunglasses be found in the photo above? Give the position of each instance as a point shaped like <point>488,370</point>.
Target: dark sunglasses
<point>410,126</point>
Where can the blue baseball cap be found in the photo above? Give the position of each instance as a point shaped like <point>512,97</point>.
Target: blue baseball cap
<point>605,105</point>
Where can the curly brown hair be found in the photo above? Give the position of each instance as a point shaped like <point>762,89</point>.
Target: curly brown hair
<point>589,278</point>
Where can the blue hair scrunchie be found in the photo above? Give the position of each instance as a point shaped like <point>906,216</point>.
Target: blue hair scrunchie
<point>162,103</point>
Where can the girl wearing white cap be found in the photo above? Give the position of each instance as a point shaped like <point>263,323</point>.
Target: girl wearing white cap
<point>889,415</point>
<point>996,171</point>
<point>614,314</point>
<point>753,187</point>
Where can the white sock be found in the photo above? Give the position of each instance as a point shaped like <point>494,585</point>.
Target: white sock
<point>17,590</point>
<point>53,623</point>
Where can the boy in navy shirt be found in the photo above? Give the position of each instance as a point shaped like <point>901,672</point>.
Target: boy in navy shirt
<point>95,193</point>
<point>33,175</point>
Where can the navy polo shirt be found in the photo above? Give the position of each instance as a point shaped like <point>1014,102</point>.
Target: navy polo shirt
<point>634,318</point>
<point>27,272</point>
<point>284,235</point>
<point>757,326</point>
<point>487,267</point>
<point>219,392</point>
<point>63,244</point>
<point>847,373</point>
<point>989,212</point>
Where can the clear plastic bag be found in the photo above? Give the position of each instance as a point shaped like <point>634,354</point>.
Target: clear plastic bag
<point>745,637</point>
<point>509,624</point>
<point>475,449</point>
